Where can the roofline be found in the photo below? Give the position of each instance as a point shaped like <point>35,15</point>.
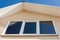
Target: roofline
<point>6,11</point>
<point>42,9</point>
<point>38,8</point>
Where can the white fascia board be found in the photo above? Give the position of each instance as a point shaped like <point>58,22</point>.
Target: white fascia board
<point>43,9</point>
<point>38,8</point>
<point>6,11</point>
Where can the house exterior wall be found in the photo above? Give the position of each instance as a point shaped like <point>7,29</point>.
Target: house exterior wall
<point>30,16</point>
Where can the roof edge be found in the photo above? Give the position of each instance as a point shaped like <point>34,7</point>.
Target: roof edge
<point>43,9</point>
<point>11,10</point>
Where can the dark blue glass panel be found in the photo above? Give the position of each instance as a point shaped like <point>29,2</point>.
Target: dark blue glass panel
<point>30,28</point>
<point>14,28</point>
<point>4,3</point>
<point>47,2</point>
<point>46,27</point>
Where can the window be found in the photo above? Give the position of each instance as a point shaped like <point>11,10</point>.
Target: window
<point>46,27</point>
<point>30,28</point>
<point>13,28</point>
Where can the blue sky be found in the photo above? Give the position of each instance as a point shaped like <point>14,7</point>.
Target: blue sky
<point>47,2</point>
<point>4,3</point>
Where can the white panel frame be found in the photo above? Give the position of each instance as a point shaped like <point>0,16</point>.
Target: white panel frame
<point>27,34</point>
<point>54,28</point>
<point>22,29</point>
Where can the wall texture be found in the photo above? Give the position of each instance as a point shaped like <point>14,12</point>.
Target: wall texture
<point>30,16</point>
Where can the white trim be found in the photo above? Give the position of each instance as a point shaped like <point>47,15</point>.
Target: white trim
<point>22,28</point>
<point>3,33</point>
<point>47,9</point>
<point>12,5</point>
<point>10,10</point>
<point>42,4</point>
<point>11,35</point>
<point>55,27</point>
<point>37,28</point>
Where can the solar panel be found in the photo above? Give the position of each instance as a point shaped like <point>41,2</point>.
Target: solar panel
<point>13,28</point>
<point>30,28</point>
<point>46,27</point>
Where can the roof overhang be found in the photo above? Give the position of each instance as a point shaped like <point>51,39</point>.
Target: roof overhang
<point>38,8</point>
<point>6,11</point>
<point>42,9</point>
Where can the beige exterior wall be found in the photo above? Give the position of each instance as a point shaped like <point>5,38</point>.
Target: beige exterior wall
<point>30,16</point>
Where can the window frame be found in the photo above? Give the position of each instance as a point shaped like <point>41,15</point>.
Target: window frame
<point>3,33</point>
<point>37,29</point>
<point>55,28</point>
